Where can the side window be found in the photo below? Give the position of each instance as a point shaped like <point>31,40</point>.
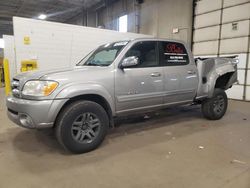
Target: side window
<point>174,53</point>
<point>146,52</point>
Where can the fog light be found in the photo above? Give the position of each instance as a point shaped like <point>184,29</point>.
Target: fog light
<point>26,121</point>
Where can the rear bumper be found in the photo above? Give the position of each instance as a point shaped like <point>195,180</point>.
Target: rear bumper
<point>33,114</point>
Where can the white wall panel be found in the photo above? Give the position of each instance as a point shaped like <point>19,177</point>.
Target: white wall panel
<point>205,34</point>
<point>248,93</point>
<point>242,61</point>
<point>249,43</point>
<point>227,30</point>
<point>205,48</point>
<point>248,77</point>
<point>248,63</point>
<point>205,56</point>
<point>236,92</point>
<point>228,3</point>
<point>241,76</point>
<point>235,45</point>
<point>9,53</point>
<point>56,45</point>
<point>236,13</point>
<point>207,5</point>
<point>242,58</point>
<point>209,19</point>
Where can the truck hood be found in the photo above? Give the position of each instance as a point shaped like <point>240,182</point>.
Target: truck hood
<point>66,75</point>
<point>35,75</point>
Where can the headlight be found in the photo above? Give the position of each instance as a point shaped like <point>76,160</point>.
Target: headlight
<point>39,88</point>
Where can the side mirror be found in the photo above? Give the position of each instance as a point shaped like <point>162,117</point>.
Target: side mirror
<point>129,62</point>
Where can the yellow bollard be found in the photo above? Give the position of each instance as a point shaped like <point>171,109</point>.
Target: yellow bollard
<point>1,71</point>
<point>6,76</point>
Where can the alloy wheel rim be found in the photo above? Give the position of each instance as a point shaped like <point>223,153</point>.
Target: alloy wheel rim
<point>219,104</point>
<point>85,128</point>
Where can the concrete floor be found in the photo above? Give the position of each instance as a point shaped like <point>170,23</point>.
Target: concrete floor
<point>173,148</point>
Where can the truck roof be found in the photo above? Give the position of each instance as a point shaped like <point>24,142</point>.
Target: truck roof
<point>156,39</point>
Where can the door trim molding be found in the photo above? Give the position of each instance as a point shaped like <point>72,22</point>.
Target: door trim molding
<point>129,97</point>
<point>153,107</point>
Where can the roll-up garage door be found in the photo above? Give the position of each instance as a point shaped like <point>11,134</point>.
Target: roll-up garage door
<point>222,28</point>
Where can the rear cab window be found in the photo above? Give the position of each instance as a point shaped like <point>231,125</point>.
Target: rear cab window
<point>173,54</point>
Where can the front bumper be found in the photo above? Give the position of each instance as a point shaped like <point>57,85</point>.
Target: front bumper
<point>33,114</point>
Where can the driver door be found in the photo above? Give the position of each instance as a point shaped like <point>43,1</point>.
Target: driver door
<point>141,86</point>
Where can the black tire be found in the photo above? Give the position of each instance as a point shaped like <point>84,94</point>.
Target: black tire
<point>82,126</point>
<point>214,108</point>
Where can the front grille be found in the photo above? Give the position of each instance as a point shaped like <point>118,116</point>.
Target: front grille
<point>15,86</point>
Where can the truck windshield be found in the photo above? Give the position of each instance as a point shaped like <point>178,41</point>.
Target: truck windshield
<point>104,55</point>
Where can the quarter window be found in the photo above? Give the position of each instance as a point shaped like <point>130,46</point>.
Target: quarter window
<point>146,52</point>
<point>174,53</point>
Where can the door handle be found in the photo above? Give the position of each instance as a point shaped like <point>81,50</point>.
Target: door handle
<point>191,72</point>
<point>155,74</point>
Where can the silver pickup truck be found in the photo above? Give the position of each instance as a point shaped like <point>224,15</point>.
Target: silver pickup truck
<point>117,79</point>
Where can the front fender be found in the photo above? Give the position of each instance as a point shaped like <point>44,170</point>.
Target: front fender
<point>86,89</point>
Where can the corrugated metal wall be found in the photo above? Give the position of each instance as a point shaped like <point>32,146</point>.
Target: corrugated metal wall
<point>222,28</point>
<point>160,17</point>
<point>152,17</point>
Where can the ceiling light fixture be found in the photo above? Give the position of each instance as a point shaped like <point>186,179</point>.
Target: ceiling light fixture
<point>42,16</point>
<point>1,43</point>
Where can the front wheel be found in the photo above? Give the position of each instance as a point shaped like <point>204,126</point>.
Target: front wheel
<point>82,126</point>
<point>214,108</point>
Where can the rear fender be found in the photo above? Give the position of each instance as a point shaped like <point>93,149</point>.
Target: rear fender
<point>220,71</point>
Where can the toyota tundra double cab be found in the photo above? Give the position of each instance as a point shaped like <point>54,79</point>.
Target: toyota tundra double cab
<point>118,79</point>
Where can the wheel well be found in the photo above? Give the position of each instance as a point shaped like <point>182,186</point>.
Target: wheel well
<point>91,97</point>
<point>222,81</point>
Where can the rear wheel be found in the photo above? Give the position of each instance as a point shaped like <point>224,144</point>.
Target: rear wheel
<point>82,126</point>
<point>214,108</point>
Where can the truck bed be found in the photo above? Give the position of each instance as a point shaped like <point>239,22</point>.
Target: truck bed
<point>212,71</point>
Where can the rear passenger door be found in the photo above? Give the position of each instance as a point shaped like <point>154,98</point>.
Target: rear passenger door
<point>180,73</point>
